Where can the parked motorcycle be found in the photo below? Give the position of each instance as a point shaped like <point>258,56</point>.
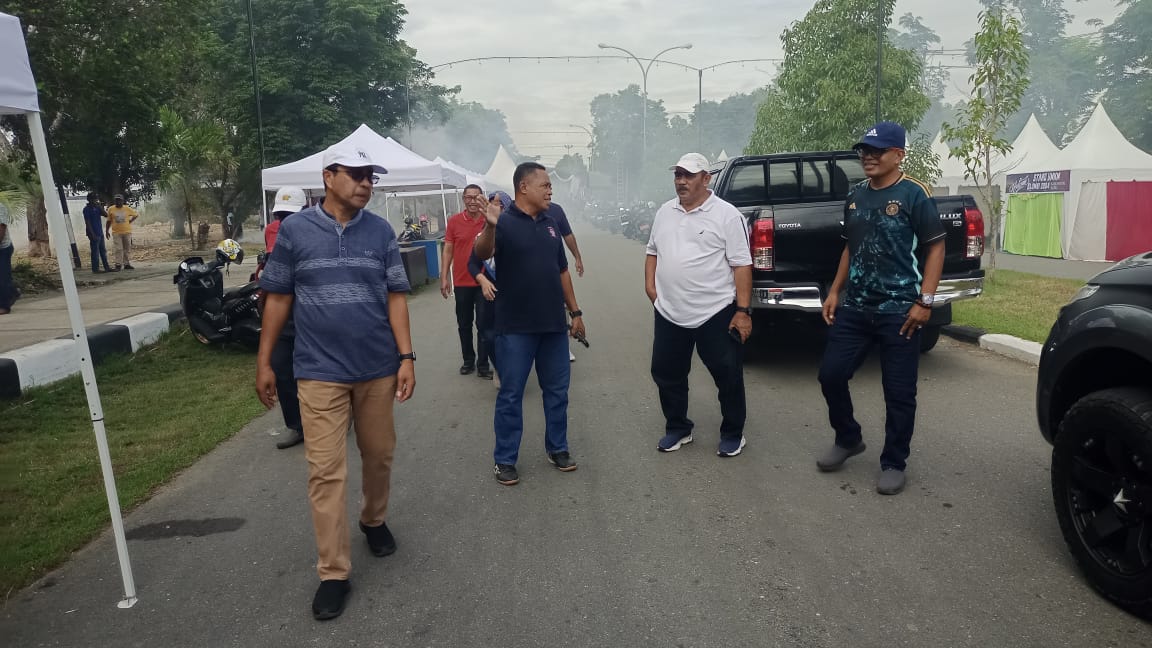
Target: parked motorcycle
<point>214,315</point>
<point>412,231</point>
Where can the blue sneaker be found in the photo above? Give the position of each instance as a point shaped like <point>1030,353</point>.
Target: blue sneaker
<point>730,447</point>
<point>672,442</point>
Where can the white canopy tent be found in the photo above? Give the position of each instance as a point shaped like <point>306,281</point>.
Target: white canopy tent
<point>407,170</point>
<point>500,172</point>
<point>1099,154</point>
<point>1031,146</point>
<point>18,96</point>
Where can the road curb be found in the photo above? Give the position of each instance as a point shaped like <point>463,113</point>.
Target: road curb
<point>1005,345</point>
<point>47,362</point>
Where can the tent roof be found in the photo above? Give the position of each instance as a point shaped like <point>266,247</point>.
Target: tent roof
<point>1031,147</point>
<point>405,168</point>
<point>17,87</point>
<point>950,167</point>
<point>500,172</point>
<point>1099,146</point>
<point>470,176</point>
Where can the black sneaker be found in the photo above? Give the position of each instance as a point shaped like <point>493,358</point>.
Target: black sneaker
<point>128,266</point>
<point>380,539</point>
<point>466,369</point>
<point>562,460</point>
<point>329,600</point>
<point>486,374</point>
<point>506,474</point>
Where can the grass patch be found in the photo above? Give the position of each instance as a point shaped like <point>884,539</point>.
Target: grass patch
<point>1017,303</point>
<point>164,407</point>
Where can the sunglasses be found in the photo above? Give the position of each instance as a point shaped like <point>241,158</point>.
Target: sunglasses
<point>358,175</point>
<point>871,152</point>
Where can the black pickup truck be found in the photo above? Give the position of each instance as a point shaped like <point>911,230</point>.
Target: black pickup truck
<point>794,203</point>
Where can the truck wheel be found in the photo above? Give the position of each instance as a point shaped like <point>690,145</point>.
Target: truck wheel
<point>929,336</point>
<point>1102,490</point>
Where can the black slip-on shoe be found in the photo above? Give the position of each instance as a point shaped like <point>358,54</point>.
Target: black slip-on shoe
<point>562,460</point>
<point>506,474</point>
<point>380,539</point>
<point>486,374</point>
<point>466,369</point>
<point>329,600</point>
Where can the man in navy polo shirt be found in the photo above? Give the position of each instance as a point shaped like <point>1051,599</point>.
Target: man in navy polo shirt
<point>534,285</point>
<point>887,299</point>
<point>337,270</point>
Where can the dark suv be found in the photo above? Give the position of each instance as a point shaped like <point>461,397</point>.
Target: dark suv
<point>1094,404</point>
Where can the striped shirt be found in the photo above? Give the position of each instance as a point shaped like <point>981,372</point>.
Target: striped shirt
<point>341,277</point>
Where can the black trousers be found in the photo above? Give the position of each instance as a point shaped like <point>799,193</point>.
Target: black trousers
<point>723,355</point>
<point>286,391</point>
<point>470,308</point>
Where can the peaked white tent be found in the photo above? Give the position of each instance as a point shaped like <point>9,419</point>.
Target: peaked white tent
<point>723,157</point>
<point>471,177</point>
<point>18,96</point>
<point>1031,146</point>
<point>1099,155</point>
<point>500,172</point>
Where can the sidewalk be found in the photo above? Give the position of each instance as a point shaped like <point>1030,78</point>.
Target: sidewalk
<point>103,298</point>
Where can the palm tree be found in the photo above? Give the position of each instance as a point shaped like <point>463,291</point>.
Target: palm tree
<point>193,151</point>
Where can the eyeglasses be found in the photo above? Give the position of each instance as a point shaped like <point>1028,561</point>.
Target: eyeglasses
<point>871,152</point>
<point>357,175</point>
<point>684,174</point>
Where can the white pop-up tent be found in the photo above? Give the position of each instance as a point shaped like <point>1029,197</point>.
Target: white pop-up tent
<point>1108,186</point>
<point>18,96</point>
<point>500,172</point>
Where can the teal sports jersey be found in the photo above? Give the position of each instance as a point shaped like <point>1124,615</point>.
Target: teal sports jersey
<point>884,228</point>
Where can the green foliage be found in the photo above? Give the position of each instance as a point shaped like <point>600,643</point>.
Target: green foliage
<point>999,82</point>
<point>469,136</point>
<point>616,124</point>
<point>824,96</point>
<point>1126,70</point>
<point>103,69</point>
<point>193,154</point>
<point>921,162</point>
<point>726,125</point>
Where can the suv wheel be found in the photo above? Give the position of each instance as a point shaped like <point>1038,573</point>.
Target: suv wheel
<point>929,336</point>
<point>1102,489</point>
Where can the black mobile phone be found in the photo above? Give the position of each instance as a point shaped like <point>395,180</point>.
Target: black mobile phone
<point>735,333</point>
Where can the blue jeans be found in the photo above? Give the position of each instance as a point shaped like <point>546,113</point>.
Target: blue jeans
<point>99,253</point>
<point>852,335</point>
<point>515,355</point>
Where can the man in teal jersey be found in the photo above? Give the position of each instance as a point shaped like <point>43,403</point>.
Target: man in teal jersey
<point>887,298</point>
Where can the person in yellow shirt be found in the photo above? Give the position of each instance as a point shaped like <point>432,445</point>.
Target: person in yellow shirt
<point>120,219</point>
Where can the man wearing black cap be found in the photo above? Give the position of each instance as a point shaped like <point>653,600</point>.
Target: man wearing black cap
<point>887,298</point>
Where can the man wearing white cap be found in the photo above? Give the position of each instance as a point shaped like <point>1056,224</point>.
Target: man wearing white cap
<point>698,275</point>
<point>289,200</point>
<point>337,270</point>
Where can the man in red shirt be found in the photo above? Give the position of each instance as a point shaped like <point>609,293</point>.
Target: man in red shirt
<point>459,236</point>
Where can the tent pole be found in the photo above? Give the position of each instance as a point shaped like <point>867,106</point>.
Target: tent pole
<point>263,206</point>
<point>83,353</point>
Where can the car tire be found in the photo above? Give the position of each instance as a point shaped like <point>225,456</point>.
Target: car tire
<point>1102,491</point>
<point>929,336</point>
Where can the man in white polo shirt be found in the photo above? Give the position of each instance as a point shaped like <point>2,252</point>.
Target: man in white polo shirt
<point>698,274</point>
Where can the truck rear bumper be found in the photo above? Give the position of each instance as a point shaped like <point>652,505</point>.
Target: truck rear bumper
<point>809,297</point>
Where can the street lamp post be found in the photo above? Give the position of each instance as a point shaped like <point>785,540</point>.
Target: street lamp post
<point>591,143</point>
<point>644,94</point>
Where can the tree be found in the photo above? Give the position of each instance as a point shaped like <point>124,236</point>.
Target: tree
<point>824,96</point>
<point>1126,70</point>
<point>469,136</point>
<point>999,82</point>
<point>193,153</point>
<point>919,39</point>
<point>726,125</point>
<point>103,67</point>
<point>616,126</point>
<point>921,162</point>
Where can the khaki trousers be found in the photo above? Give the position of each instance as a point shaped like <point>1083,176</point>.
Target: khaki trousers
<point>124,245</point>
<point>326,409</point>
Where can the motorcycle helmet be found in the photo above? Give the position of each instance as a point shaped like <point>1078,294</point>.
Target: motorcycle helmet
<point>407,220</point>
<point>229,251</point>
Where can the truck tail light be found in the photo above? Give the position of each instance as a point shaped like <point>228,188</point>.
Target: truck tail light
<point>763,233</point>
<point>974,228</point>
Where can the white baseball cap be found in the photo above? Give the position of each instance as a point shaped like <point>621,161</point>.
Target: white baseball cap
<point>350,156</point>
<point>290,199</point>
<point>692,163</point>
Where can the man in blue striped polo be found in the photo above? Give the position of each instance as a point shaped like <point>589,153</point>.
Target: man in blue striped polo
<point>337,269</point>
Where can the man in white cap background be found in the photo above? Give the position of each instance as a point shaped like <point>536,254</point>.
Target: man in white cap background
<point>289,200</point>
<point>698,275</point>
<point>337,269</point>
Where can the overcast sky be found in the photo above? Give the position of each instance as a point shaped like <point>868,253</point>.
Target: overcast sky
<point>542,98</point>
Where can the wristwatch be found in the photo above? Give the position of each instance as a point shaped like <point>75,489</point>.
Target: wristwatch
<point>576,313</point>
<point>408,356</point>
<point>747,310</point>
<point>926,300</point>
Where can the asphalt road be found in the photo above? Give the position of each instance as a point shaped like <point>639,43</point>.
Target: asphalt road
<point>635,548</point>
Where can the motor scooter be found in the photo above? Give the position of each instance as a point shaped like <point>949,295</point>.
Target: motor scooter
<point>216,316</point>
